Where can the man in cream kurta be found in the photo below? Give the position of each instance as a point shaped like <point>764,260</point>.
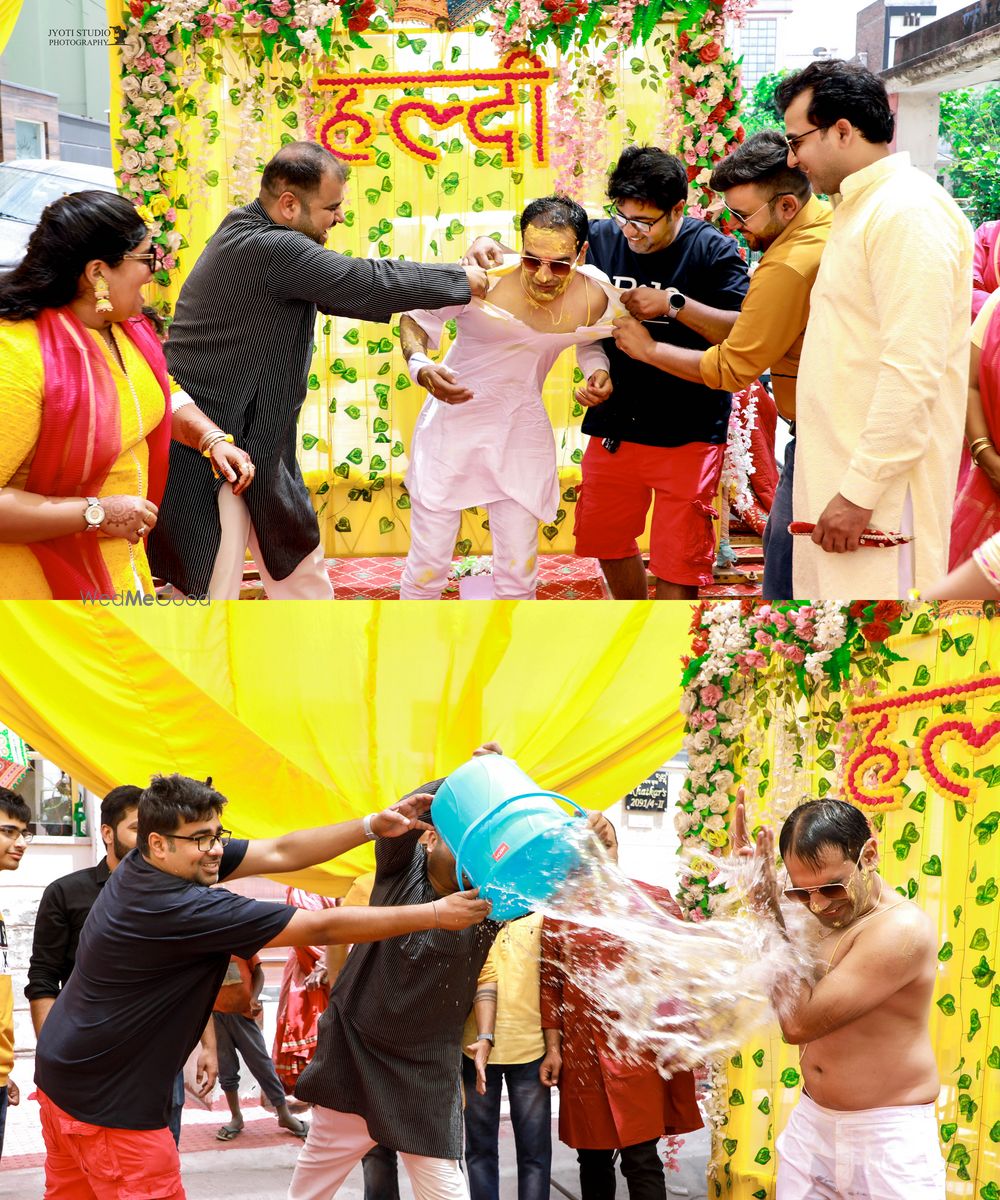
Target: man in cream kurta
<point>882,380</point>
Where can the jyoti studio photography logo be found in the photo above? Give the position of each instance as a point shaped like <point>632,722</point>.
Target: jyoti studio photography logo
<point>98,36</point>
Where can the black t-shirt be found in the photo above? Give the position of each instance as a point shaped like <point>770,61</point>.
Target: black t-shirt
<point>648,405</point>
<point>152,957</point>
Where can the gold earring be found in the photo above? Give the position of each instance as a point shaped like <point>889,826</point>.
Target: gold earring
<point>102,294</point>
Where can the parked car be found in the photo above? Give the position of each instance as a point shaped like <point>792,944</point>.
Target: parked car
<point>27,185</point>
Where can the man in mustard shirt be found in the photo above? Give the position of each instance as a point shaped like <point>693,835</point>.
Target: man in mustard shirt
<point>518,1050</point>
<point>773,207</point>
<point>885,362</point>
<point>14,839</point>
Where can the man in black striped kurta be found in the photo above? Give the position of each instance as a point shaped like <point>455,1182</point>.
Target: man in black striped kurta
<point>240,347</point>
<point>387,1067</point>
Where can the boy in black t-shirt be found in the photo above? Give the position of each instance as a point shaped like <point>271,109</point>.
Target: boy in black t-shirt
<point>657,438</point>
<point>151,960</point>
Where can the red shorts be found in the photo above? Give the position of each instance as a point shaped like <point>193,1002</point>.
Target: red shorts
<point>614,500</point>
<point>93,1162</point>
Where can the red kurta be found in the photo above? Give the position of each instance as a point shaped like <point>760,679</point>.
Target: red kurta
<point>605,1103</point>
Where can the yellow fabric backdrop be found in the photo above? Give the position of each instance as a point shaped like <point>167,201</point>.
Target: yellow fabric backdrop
<point>304,713</point>
<point>358,418</point>
<point>945,857</point>
<point>9,11</point>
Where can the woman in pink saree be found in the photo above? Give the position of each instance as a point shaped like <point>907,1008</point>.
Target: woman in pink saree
<point>977,502</point>
<point>304,996</point>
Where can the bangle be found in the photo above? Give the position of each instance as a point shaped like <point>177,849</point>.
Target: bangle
<point>978,447</point>
<point>366,823</point>
<point>437,921</point>
<point>225,437</point>
<point>979,441</point>
<point>987,558</point>
<point>209,433</point>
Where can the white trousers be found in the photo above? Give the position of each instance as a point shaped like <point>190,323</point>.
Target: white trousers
<point>338,1141</point>
<point>513,529</point>
<point>309,580</point>
<point>872,1154</point>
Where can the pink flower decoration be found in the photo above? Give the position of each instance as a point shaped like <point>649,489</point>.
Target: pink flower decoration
<point>701,95</point>
<point>169,262</point>
<point>253,18</point>
<point>171,215</point>
<point>224,22</point>
<point>232,6</point>
<point>763,638</point>
<point>281,8</point>
<point>270,26</point>
<point>710,695</point>
<point>143,63</point>
<point>690,157</point>
<point>160,43</point>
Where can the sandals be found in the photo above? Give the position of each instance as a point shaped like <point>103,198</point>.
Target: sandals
<point>228,1132</point>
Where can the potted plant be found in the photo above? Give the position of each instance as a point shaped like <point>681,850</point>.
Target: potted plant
<point>475,577</point>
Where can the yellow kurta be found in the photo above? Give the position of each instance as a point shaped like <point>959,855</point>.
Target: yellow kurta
<point>21,390</point>
<point>882,382</point>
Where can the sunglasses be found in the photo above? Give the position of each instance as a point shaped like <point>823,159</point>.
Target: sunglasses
<point>640,224</point>
<point>829,891</point>
<point>559,267</point>
<point>152,258</point>
<point>16,834</point>
<point>204,841</point>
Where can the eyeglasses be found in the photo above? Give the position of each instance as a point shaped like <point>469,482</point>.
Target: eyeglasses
<point>793,141</point>
<point>559,267</point>
<point>15,833</point>
<point>743,221</point>
<point>153,258</point>
<point>829,891</point>
<point>204,841</point>
<point>640,224</point>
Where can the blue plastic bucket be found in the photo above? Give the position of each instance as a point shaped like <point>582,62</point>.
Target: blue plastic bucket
<point>507,834</point>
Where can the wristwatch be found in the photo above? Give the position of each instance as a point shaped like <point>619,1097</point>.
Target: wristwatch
<point>93,514</point>
<point>675,302</point>
<point>485,1037</point>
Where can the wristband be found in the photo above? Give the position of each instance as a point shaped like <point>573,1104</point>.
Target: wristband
<point>366,822</point>
<point>486,1037</point>
<point>416,364</point>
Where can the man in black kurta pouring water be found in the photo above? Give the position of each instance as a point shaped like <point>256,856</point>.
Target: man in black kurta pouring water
<point>240,347</point>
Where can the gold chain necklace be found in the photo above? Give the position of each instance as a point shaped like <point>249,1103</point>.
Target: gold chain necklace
<point>543,307</point>
<point>875,912</point>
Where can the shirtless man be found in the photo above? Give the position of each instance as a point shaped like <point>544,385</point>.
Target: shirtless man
<point>864,1127</point>
<point>483,436</point>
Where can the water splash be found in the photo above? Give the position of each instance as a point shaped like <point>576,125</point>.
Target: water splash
<point>658,985</point>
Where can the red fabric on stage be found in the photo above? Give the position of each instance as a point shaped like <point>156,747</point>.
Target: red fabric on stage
<point>93,1162</point>
<point>299,1007</point>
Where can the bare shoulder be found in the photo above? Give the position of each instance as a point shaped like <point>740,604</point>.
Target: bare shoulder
<point>902,931</point>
